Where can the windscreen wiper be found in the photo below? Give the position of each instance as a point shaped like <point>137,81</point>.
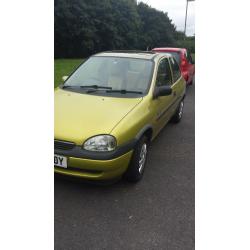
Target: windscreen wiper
<point>95,87</point>
<point>67,86</point>
<point>124,91</point>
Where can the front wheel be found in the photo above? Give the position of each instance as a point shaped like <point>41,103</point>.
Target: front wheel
<point>136,167</point>
<point>179,112</point>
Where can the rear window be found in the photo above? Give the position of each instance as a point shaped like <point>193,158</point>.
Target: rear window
<point>176,55</point>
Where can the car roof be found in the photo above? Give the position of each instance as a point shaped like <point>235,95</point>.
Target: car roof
<point>168,49</point>
<point>148,55</point>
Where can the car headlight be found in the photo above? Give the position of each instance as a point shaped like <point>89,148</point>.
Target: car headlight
<point>100,143</point>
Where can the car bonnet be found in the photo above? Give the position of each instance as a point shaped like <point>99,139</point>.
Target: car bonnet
<point>80,116</point>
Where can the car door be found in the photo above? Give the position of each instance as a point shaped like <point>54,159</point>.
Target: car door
<point>162,104</point>
<point>177,84</point>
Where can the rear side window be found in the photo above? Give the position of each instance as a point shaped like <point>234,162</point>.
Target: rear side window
<point>175,69</point>
<point>164,73</point>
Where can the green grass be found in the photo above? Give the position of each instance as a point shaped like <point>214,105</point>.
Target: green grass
<point>63,67</point>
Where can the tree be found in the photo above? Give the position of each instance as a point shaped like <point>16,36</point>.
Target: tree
<point>156,28</point>
<point>85,27</point>
<point>183,41</point>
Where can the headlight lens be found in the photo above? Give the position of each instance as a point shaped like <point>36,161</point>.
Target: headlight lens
<point>100,143</point>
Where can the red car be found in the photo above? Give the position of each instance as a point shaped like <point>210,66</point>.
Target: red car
<point>184,59</point>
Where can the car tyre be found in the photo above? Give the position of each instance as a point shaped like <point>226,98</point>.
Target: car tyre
<point>179,112</point>
<point>137,164</point>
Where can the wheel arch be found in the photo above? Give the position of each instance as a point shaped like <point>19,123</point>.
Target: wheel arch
<point>147,131</point>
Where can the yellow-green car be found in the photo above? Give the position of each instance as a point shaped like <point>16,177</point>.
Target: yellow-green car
<point>109,110</point>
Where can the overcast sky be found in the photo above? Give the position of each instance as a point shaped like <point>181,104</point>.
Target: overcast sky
<point>176,10</point>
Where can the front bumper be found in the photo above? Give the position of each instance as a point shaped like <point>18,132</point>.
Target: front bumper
<point>96,166</point>
<point>96,169</point>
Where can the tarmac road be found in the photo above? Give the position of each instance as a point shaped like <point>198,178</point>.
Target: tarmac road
<point>157,213</point>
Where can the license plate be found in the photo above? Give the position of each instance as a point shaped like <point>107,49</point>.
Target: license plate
<point>60,161</point>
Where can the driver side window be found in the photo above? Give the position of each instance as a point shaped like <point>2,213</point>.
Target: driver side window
<point>163,74</point>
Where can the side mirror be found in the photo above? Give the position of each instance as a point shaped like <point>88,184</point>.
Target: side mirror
<point>64,78</point>
<point>162,91</point>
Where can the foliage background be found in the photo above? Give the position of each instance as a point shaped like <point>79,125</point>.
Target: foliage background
<point>85,27</point>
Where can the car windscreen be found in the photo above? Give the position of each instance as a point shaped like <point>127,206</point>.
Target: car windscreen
<point>110,74</point>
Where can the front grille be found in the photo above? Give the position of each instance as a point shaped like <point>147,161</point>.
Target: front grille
<point>64,145</point>
<point>83,171</point>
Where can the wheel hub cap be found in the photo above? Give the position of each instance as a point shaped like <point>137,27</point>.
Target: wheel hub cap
<point>181,109</point>
<point>143,155</point>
